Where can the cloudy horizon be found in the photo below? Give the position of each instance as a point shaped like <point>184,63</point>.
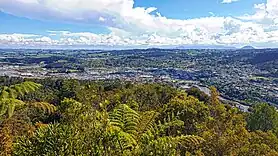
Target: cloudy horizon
<point>137,24</point>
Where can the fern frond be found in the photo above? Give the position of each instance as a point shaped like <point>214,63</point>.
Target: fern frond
<point>170,121</point>
<point>188,141</point>
<point>168,145</point>
<point>45,107</point>
<point>11,108</point>
<point>12,93</point>
<point>24,88</point>
<point>8,105</point>
<point>19,90</point>
<point>4,93</point>
<point>125,118</point>
<point>126,141</point>
<point>3,108</point>
<point>146,122</point>
<point>8,96</point>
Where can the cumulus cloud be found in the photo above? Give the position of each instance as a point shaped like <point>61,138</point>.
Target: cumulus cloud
<point>229,1</point>
<point>266,14</point>
<point>131,25</point>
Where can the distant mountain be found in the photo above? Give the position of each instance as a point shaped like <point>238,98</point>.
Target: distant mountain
<point>248,47</point>
<point>205,47</point>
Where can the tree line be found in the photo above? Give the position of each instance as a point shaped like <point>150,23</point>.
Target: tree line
<point>71,117</point>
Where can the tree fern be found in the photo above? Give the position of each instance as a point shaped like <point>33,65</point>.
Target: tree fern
<point>125,118</point>
<point>126,141</point>
<point>188,141</point>
<point>4,94</point>
<point>169,121</point>
<point>19,89</point>
<point>143,133</point>
<point>146,122</point>
<point>169,145</point>
<point>9,96</point>
<point>123,123</point>
<point>44,106</point>
<point>8,105</point>
<point>3,108</point>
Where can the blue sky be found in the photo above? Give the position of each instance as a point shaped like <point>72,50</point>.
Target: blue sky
<point>16,24</point>
<point>180,9</point>
<point>139,23</point>
<point>184,9</point>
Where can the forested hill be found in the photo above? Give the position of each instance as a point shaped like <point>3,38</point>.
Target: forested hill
<point>69,117</point>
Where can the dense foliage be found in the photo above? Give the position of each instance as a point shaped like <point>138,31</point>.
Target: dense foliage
<point>70,117</point>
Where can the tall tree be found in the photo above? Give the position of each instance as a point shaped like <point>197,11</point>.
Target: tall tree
<point>263,117</point>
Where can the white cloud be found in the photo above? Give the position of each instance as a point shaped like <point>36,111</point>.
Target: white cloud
<point>137,26</point>
<point>266,14</point>
<point>211,13</point>
<point>101,19</point>
<point>229,1</point>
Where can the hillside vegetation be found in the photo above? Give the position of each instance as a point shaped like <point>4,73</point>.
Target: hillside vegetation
<point>69,117</point>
